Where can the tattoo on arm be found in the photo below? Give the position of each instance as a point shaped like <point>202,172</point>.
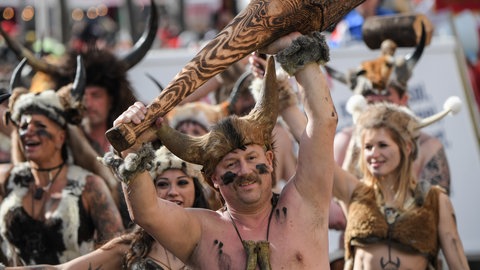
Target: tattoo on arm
<point>436,171</point>
<point>103,211</point>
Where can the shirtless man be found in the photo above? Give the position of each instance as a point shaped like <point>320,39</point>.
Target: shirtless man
<point>256,229</point>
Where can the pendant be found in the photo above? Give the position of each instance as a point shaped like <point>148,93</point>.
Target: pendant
<point>38,194</point>
<point>390,215</point>
<point>258,253</point>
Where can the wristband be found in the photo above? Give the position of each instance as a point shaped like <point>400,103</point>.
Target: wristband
<point>133,164</point>
<point>303,50</point>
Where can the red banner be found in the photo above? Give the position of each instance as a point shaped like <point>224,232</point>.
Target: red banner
<point>457,5</point>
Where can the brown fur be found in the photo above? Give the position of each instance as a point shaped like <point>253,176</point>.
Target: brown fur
<point>415,229</point>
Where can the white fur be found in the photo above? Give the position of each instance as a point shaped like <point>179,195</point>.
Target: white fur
<point>453,104</point>
<point>355,105</point>
<point>67,211</point>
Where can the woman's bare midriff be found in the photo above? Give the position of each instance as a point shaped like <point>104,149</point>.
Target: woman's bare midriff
<point>376,257</point>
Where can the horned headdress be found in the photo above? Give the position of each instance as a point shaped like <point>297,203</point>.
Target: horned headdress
<point>374,76</point>
<point>398,118</point>
<point>62,107</point>
<point>230,133</point>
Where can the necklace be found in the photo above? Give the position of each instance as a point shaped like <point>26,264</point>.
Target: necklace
<point>38,194</point>
<point>168,258</point>
<point>258,252</point>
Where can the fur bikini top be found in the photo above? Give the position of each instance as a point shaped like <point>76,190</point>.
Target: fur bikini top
<point>414,230</point>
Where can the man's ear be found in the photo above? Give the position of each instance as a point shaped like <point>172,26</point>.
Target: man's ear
<point>62,138</point>
<point>270,155</point>
<point>214,180</point>
<point>404,99</point>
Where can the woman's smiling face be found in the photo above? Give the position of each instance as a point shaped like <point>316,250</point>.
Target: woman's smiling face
<point>381,152</point>
<point>175,186</point>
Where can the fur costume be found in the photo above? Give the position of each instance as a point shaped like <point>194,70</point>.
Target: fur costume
<point>375,76</point>
<point>70,231</point>
<point>165,160</point>
<point>415,229</point>
<point>66,235</point>
<point>304,50</point>
<point>46,102</point>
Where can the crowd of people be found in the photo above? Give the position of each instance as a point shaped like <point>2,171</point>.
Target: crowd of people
<point>253,180</point>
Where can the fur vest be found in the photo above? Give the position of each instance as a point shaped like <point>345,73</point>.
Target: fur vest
<point>414,230</point>
<point>67,234</point>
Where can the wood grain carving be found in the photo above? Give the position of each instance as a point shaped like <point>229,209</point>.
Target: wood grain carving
<point>259,24</point>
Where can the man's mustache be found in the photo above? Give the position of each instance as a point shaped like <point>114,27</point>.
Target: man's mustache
<point>230,177</point>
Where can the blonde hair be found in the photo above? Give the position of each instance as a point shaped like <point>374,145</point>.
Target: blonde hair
<point>401,125</point>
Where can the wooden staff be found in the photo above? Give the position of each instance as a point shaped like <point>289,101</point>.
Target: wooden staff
<point>258,25</point>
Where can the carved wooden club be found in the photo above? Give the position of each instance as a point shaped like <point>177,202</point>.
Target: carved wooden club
<point>258,25</point>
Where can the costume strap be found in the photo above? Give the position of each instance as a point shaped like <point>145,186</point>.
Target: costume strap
<point>133,164</point>
<point>303,50</point>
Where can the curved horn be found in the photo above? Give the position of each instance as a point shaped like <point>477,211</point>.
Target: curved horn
<point>265,112</point>
<point>15,80</point>
<point>155,81</point>
<point>258,25</point>
<point>78,87</point>
<point>337,75</point>
<point>145,42</point>
<point>184,146</point>
<point>403,69</point>
<point>412,59</point>
<point>22,52</point>
<point>236,91</point>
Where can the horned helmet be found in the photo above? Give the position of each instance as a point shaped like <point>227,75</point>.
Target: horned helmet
<point>375,76</point>
<point>230,133</point>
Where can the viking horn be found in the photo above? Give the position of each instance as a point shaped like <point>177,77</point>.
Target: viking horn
<point>78,87</point>
<point>236,91</point>
<point>22,52</point>
<point>412,59</point>
<point>258,25</point>
<point>15,80</point>
<point>337,75</point>
<point>144,43</point>
<point>155,81</point>
<point>266,108</point>
<point>265,112</point>
<point>403,71</point>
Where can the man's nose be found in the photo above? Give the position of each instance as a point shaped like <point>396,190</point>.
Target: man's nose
<point>244,167</point>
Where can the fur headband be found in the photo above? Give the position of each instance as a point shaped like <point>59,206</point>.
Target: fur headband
<point>165,160</point>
